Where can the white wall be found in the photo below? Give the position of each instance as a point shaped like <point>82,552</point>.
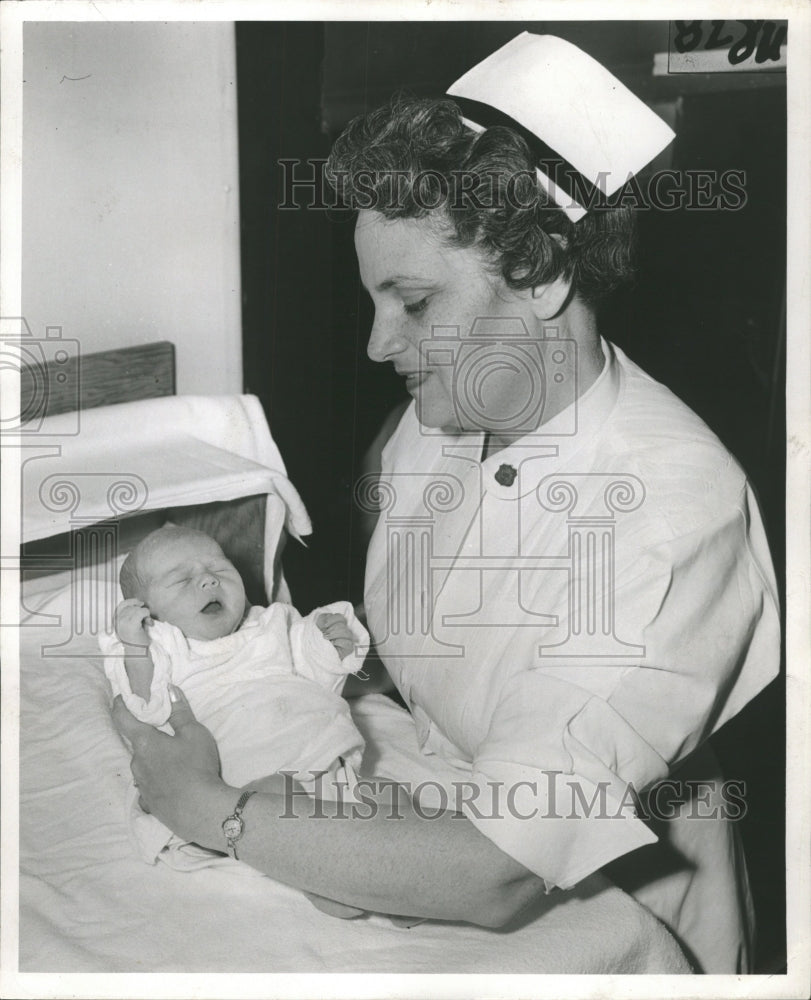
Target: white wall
<point>130,191</point>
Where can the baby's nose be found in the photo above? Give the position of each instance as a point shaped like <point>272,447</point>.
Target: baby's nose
<point>209,580</point>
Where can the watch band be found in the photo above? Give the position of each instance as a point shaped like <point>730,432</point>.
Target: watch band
<point>234,826</point>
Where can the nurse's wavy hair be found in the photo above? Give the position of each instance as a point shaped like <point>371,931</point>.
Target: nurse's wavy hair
<point>415,157</point>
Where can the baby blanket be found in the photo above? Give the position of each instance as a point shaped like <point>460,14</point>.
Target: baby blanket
<point>270,695</point>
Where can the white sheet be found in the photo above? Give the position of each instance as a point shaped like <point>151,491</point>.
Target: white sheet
<point>88,905</point>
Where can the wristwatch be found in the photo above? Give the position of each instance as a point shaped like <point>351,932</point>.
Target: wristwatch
<point>234,826</point>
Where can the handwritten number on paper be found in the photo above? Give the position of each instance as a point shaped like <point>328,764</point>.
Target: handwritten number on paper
<point>715,41</point>
<point>768,48</point>
<point>688,35</point>
<point>760,38</point>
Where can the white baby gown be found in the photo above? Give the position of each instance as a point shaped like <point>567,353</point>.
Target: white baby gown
<point>269,693</point>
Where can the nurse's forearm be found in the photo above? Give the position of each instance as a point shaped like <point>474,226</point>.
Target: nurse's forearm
<point>394,861</point>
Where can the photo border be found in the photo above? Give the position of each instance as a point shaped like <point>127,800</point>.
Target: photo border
<point>13,16</point>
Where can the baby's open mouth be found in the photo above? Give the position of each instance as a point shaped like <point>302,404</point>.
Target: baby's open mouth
<point>211,608</point>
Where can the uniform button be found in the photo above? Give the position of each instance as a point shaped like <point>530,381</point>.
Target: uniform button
<point>506,475</point>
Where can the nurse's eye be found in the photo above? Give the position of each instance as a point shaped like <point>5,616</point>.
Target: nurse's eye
<point>415,308</point>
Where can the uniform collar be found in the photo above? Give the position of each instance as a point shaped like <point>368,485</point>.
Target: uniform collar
<point>558,440</point>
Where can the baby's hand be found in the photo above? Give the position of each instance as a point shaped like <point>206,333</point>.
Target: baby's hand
<point>130,617</point>
<point>337,631</point>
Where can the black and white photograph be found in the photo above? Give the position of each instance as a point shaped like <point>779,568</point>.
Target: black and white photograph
<point>405,443</point>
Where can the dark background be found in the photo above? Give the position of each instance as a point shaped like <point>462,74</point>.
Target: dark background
<point>706,315</point>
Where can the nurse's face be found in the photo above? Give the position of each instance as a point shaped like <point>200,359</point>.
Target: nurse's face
<point>424,292</point>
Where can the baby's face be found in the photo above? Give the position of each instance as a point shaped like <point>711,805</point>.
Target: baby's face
<point>191,585</point>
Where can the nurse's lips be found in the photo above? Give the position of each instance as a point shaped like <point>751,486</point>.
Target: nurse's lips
<point>413,378</point>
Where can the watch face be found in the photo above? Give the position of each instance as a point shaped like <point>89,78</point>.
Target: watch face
<point>232,827</point>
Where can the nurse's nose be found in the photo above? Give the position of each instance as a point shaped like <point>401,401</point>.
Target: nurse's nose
<point>384,340</point>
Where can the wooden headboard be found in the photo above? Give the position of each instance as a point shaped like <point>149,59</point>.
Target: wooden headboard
<point>121,375</point>
<point>65,384</point>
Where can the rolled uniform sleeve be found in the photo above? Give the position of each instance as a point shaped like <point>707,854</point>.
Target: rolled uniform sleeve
<point>570,746</point>
<point>536,800</point>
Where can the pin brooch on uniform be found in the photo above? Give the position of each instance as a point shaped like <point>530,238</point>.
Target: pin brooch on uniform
<point>505,476</point>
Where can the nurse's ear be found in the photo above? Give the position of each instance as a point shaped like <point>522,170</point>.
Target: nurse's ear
<point>548,301</point>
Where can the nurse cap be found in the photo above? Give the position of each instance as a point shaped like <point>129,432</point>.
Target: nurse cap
<point>586,128</point>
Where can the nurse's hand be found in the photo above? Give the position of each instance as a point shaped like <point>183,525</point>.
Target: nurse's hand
<point>334,909</point>
<point>170,771</point>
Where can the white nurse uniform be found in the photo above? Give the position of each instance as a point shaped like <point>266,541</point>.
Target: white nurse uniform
<point>568,621</point>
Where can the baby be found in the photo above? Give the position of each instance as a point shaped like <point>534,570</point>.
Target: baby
<point>265,681</point>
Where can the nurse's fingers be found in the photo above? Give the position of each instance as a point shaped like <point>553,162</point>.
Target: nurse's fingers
<point>193,744</point>
<point>334,908</point>
<point>181,715</point>
<point>127,725</point>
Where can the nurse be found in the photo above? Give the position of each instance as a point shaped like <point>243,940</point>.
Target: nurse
<point>568,580</point>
